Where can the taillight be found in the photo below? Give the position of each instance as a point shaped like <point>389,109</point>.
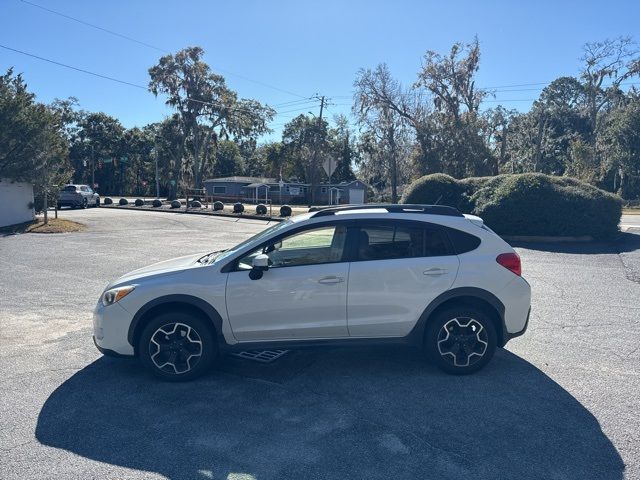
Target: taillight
<point>510,261</point>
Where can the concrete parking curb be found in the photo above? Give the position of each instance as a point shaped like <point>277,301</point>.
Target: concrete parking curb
<point>194,212</point>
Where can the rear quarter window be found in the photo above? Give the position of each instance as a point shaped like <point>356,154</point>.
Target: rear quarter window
<point>462,242</point>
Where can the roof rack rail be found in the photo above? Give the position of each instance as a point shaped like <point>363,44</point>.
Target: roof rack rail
<point>392,208</point>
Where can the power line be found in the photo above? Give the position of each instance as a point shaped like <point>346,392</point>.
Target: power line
<point>106,77</point>
<point>110,32</point>
<point>154,47</point>
<point>124,82</point>
<point>293,103</point>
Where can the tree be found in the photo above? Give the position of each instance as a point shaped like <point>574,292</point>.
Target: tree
<point>229,161</point>
<point>456,125</point>
<point>612,60</point>
<point>382,123</point>
<point>98,147</point>
<point>30,134</point>
<point>33,144</point>
<point>305,142</point>
<point>620,144</point>
<point>169,151</point>
<point>498,122</point>
<point>208,109</point>
<point>343,150</point>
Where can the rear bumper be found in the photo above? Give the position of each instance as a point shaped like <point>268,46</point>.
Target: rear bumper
<point>509,335</point>
<point>70,203</point>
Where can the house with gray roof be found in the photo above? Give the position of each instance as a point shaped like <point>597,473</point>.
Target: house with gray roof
<point>264,189</point>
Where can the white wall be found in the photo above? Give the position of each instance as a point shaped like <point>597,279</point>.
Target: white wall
<point>14,202</point>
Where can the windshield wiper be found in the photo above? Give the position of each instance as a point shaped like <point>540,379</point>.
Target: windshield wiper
<point>210,257</point>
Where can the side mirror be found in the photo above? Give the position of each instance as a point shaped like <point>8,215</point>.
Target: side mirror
<point>272,247</point>
<point>259,264</point>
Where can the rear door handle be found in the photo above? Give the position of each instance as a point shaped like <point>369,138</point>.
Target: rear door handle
<point>434,272</point>
<point>331,280</point>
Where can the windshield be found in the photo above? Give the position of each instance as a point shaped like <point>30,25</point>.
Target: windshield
<point>254,240</point>
<point>69,188</point>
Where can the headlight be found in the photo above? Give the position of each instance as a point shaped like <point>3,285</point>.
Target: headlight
<point>115,295</point>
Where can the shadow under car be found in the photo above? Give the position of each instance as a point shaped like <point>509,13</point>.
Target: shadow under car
<point>333,413</point>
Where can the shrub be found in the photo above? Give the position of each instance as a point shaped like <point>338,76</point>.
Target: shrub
<point>261,209</point>
<point>218,206</point>
<point>195,204</point>
<point>108,201</point>
<point>176,204</point>
<point>123,201</point>
<point>538,204</point>
<point>526,204</point>
<point>139,202</point>
<point>157,203</point>
<point>285,211</point>
<point>238,208</point>
<point>433,189</point>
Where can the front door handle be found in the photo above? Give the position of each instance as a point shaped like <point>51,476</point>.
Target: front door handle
<point>331,280</point>
<point>434,272</point>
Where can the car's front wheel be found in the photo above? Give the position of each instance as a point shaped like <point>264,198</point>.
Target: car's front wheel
<point>460,340</point>
<point>177,346</point>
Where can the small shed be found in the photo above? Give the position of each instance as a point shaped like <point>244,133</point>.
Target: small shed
<point>16,202</point>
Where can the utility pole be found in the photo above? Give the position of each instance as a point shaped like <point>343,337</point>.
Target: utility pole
<point>315,149</point>
<point>93,168</point>
<point>157,179</point>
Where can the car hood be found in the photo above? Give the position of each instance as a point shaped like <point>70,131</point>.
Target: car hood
<point>160,268</point>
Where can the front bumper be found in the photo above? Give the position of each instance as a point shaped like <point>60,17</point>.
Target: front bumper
<point>110,329</point>
<point>107,352</point>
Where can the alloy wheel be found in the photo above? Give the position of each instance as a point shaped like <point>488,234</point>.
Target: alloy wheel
<point>462,341</point>
<point>175,348</point>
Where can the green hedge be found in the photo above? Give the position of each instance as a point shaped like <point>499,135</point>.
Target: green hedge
<point>525,204</point>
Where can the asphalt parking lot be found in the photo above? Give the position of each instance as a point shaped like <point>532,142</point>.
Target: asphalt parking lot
<point>560,402</point>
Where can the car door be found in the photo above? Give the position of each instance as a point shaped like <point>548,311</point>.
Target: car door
<point>398,268</point>
<point>302,295</point>
<point>91,196</point>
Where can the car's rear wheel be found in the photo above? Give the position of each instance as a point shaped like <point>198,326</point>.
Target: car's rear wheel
<point>460,340</point>
<point>177,346</point>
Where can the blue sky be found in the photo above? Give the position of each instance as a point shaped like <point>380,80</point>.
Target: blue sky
<point>305,48</point>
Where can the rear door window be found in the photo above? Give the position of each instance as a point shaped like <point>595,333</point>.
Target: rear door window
<point>462,242</point>
<point>399,240</point>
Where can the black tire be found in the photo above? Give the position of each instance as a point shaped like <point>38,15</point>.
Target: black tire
<point>460,340</point>
<point>285,211</point>
<point>97,202</point>
<point>84,202</point>
<point>187,365</point>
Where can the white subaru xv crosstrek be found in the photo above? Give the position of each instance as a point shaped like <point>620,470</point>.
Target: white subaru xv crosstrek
<point>412,274</point>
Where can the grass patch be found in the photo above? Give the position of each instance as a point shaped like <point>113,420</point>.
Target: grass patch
<point>55,225</point>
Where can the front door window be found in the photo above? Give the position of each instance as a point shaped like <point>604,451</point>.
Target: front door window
<point>310,247</point>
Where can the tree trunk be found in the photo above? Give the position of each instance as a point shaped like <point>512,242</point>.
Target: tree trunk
<point>538,152</point>
<point>503,148</point>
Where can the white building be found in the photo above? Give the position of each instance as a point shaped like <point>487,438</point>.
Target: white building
<point>16,202</point>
